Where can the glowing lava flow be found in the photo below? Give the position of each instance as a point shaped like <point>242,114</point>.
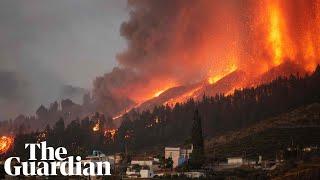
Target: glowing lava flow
<point>163,89</point>
<point>277,39</point>
<point>6,143</point>
<point>215,78</point>
<point>183,98</point>
<point>125,111</point>
<point>158,93</point>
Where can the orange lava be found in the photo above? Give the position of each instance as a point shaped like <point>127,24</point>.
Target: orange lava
<point>217,77</point>
<point>254,39</point>
<point>158,93</point>
<point>183,98</point>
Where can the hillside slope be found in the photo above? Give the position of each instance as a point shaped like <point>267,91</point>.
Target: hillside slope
<point>301,126</point>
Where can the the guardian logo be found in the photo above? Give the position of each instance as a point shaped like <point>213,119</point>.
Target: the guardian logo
<point>53,162</point>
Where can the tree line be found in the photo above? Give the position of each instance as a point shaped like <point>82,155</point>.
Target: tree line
<point>165,125</point>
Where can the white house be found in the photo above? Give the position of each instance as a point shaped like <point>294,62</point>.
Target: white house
<point>235,160</point>
<point>143,167</point>
<point>98,156</point>
<point>146,173</point>
<point>177,154</point>
<point>174,154</point>
<point>194,174</point>
<point>116,158</point>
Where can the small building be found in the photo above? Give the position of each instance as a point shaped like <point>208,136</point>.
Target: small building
<point>116,158</point>
<point>98,156</point>
<point>146,173</point>
<point>151,162</point>
<point>143,167</point>
<point>235,160</point>
<point>142,162</point>
<point>194,174</point>
<point>177,154</point>
<point>174,154</point>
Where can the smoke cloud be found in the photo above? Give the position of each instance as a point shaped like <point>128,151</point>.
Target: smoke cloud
<point>45,46</point>
<point>170,43</point>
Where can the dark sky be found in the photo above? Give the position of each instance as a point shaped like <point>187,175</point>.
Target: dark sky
<point>45,44</point>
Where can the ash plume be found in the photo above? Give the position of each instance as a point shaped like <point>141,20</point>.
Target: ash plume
<point>11,92</point>
<point>49,45</point>
<point>171,43</point>
<point>168,44</point>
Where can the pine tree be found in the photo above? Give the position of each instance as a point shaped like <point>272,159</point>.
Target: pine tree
<point>317,71</point>
<point>197,156</point>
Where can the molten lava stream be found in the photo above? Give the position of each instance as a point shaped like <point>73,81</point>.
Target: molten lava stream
<point>6,143</point>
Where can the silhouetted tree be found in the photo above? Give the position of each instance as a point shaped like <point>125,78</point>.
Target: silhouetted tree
<point>169,163</point>
<point>197,155</point>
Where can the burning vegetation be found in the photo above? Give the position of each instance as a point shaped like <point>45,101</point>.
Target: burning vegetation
<point>6,143</point>
<point>96,127</point>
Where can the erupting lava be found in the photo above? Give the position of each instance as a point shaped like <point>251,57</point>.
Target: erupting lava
<point>6,143</point>
<point>158,93</point>
<point>287,31</point>
<point>177,43</point>
<point>215,78</point>
<point>163,90</point>
<point>275,37</point>
<point>183,97</point>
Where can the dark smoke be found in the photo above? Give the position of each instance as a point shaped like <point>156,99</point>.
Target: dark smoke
<point>169,42</point>
<point>12,96</point>
<point>176,42</point>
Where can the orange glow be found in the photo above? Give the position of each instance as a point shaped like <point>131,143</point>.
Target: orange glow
<point>253,40</point>
<point>145,91</point>
<point>163,89</point>
<point>279,31</point>
<point>290,33</point>
<point>158,93</point>
<point>96,127</point>
<point>117,116</point>
<point>112,132</point>
<point>6,143</point>
<point>215,78</point>
<point>183,98</point>
<point>310,52</point>
<point>275,35</point>
<point>124,112</point>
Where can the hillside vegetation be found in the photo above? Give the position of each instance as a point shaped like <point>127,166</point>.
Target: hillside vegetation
<point>165,125</point>
<point>300,126</point>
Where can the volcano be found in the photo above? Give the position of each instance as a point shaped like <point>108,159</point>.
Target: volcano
<point>226,85</point>
<point>180,50</point>
<point>284,70</point>
<point>181,94</point>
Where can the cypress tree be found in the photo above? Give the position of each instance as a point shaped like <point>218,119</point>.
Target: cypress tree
<point>197,155</point>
